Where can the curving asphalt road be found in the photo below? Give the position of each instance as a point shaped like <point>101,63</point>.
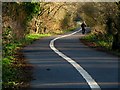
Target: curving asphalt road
<point>53,71</point>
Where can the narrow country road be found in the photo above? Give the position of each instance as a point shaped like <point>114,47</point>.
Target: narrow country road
<point>64,62</point>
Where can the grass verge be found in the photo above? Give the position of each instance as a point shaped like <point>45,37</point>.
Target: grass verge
<point>100,44</point>
<point>16,73</point>
<point>64,31</point>
<point>68,30</point>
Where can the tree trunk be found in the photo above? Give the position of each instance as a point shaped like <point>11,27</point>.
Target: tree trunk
<point>115,44</point>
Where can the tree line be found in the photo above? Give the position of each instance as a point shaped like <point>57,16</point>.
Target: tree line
<point>22,18</point>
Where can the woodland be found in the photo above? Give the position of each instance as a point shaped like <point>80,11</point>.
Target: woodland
<point>24,22</point>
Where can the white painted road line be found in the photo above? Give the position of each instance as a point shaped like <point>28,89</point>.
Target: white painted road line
<point>91,82</point>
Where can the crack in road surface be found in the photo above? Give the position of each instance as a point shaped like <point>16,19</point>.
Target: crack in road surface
<point>91,82</point>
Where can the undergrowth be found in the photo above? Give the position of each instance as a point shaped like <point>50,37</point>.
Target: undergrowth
<point>13,70</point>
<point>104,42</point>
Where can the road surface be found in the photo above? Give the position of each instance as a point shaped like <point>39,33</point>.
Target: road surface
<point>64,62</point>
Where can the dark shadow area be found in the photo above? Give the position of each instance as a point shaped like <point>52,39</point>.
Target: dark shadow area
<point>22,73</point>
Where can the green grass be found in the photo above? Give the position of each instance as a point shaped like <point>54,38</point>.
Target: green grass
<point>36,36</point>
<point>90,37</point>
<point>11,73</point>
<point>68,30</point>
<point>104,42</point>
<point>100,42</point>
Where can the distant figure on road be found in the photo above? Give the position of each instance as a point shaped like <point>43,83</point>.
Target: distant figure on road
<point>83,25</point>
